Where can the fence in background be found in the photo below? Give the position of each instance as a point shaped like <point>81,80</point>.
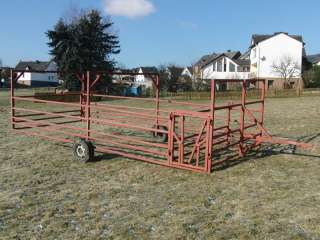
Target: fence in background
<point>235,94</point>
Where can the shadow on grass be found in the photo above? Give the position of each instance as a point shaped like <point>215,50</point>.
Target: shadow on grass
<point>103,157</point>
<point>268,151</point>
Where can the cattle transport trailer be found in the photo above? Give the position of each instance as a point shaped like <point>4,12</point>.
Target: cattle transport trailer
<point>172,133</point>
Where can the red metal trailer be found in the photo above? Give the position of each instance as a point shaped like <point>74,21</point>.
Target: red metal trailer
<point>172,133</point>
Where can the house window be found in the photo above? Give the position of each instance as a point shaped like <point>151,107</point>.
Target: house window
<point>270,84</point>
<point>225,65</point>
<point>232,67</point>
<point>219,66</point>
<point>214,67</point>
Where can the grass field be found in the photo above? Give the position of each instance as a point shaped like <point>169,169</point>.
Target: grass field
<point>45,194</point>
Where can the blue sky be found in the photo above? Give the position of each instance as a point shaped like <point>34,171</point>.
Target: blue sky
<point>154,32</point>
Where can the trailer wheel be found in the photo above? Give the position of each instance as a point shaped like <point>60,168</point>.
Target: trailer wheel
<point>163,137</point>
<point>83,151</point>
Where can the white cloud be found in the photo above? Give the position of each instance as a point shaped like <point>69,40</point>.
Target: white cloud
<point>129,8</point>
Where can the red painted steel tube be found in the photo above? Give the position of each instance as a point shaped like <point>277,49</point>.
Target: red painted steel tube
<point>57,130</point>
<point>98,77</point>
<point>211,125</point>
<point>28,133</point>
<point>157,101</point>
<point>127,117</point>
<point>129,107</point>
<point>129,155</point>
<point>263,96</point>
<point>88,115</point>
<point>82,99</point>
<point>171,125</point>
<point>12,100</point>
<point>132,139</point>
<point>228,121</point>
<point>131,113</point>
<point>98,120</point>
<point>152,100</point>
<point>47,113</point>
<point>104,135</point>
<point>130,147</point>
<point>260,126</point>
<point>50,129</point>
<point>181,156</point>
<point>191,114</point>
<point>150,160</point>
<point>283,141</point>
<point>46,101</point>
<point>242,117</point>
<point>49,123</point>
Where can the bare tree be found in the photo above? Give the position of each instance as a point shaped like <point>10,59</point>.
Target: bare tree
<point>287,68</point>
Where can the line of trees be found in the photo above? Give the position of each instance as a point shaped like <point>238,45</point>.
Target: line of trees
<point>311,77</point>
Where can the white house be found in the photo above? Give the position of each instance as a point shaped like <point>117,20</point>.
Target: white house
<point>314,59</point>
<point>37,78</point>
<point>266,52</point>
<point>142,79</point>
<point>228,65</point>
<point>277,50</point>
<point>187,71</point>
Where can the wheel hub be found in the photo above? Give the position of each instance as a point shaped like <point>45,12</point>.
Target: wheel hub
<point>81,151</point>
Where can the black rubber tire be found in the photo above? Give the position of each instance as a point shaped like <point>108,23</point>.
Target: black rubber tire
<point>163,137</point>
<point>83,151</point>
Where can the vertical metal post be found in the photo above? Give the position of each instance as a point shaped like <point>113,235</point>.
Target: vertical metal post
<point>263,96</point>
<point>242,117</point>
<point>82,100</point>
<point>171,138</point>
<point>181,147</point>
<point>157,101</point>
<point>12,101</point>
<point>88,115</point>
<point>211,125</point>
<point>228,120</point>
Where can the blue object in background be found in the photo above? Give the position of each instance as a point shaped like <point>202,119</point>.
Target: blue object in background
<point>132,91</point>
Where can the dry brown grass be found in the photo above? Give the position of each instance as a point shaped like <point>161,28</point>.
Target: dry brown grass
<point>45,194</point>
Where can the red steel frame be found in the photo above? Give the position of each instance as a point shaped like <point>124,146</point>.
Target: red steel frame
<point>196,132</point>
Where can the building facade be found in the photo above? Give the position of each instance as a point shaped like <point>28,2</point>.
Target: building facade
<point>38,78</point>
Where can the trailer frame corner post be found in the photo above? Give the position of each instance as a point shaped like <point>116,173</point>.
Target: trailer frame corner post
<point>182,135</point>
<point>242,117</point>
<point>157,83</point>
<point>82,100</point>
<point>211,124</point>
<point>171,126</point>
<point>263,99</point>
<point>12,101</point>
<point>88,110</point>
